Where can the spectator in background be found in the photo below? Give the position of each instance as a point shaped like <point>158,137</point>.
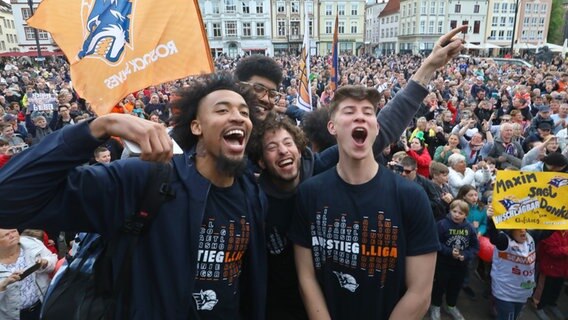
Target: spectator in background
<point>418,152</point>
<point>544,129</point>
<point>61,117</point>
<point>443,196</point>
<point>442,153</point>
<point>19,128</point>
<point>5,152</point>
<point>461,175</point>
<point>37,127</point>
<point>102,155</point>
<point>560,119</point>
<point>507,152</point>
<point>315,128</point>
<point>21,298</point>
<point>542,116</point>
<point>7,133</point>
<point>155,106</point>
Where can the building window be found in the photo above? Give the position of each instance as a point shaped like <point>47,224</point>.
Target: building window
<point>458,8</point>
<point>414,7</point>
<point>246,29</point>
<point>511,21</point>
<point>328,27</point>
<point>453,24</point>
<point>543,8</point>
<point>230,7</point>
<point>440,26</point>
<point>341,9</point>
<point>26,14</point>
<point>216,30</point>
<point>528,7</point>
<point>404,11</point>
<point>354,27</point>
<point>476,8</point>
<point>30,34</point>
<point>535,8</point>
<point>433,7</point>
<point>382,33</point>
<point>295,7</point>
<point>341,27</point>
<point>476,26</point>
<point>431,27</point>
<point>493,34</point>
<point>246,8</point>
<point>509,34</point>
<point>494,21</point>
<point>215,7</point>
<point>280,8</point>
<point>311,28</point>
<point>422,27</point>
<point>442,8</point>
<point>260,29</point>
<point>281,28</point>
<point>512,8</point>
<point>310,8</point>
<point>1,32</point>
<point>259,7</point>
<point>495,7</point>
<point>423,7</point>
<point>328,10</point>
<point>354,10</point>
<point>504,6</point>
<point>503,21</point>
<point>230,28</point>
<point>501,35</point>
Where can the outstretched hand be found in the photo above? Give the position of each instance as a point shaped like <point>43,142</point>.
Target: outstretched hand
<point>153,139</point>
<point>446,48</point>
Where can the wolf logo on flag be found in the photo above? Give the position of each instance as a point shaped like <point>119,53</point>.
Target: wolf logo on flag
<point>106,28</point>
<point>558,182</point>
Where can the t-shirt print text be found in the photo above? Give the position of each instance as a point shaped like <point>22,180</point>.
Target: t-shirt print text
<point>221,249</point>
<point>369,244</point>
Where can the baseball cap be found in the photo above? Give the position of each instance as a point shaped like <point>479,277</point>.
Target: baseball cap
<point>9,117</point>
<point>544,108</point>
<point>544,126</point>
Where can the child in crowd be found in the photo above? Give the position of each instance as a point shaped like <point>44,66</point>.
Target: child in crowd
<point>478,218</point>
<point>512,269</point>
<point>458,239</point>
<point>37,128</point>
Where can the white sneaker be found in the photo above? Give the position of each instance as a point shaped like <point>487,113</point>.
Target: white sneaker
<point>455,313</point>
<point>435,313</point>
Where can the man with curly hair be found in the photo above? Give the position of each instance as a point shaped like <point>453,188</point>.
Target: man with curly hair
<point>204,250</point>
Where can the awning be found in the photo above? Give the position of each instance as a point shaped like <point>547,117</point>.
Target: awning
<point>470,45</point>
<point>31,54</point>
<point>254,49</point>
<point>488,45</point>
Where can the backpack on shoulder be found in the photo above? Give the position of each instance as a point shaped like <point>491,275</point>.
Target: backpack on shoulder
<point>83,288</point>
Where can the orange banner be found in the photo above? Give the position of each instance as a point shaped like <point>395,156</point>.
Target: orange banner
<point>116,47</point>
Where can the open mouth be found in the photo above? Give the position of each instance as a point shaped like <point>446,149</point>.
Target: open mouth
<point>285,162</point>
<point>234,137</point>
<point>359,135</point>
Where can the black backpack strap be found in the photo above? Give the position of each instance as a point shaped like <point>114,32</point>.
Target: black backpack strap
<point>157,191</point>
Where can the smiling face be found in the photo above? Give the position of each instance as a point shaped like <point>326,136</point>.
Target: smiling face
<point>453,140</point>
<point>222,125</point>
<point>355,126</point>
<point>281,157</point>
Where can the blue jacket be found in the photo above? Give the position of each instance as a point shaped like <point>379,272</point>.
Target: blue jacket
<point>44,188</point>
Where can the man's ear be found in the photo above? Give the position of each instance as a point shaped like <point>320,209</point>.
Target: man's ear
<point>261,164</point>
<point>195,127</point>
<point>331,128</point>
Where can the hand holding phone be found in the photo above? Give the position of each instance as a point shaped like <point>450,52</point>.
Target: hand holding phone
<point>30,270</point>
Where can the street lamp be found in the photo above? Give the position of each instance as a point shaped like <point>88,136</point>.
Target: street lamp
<point>514,26</point>
<point>39,57</point>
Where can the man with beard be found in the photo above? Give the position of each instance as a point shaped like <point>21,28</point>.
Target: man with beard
<point>280,150</point>
<point>204,251</point>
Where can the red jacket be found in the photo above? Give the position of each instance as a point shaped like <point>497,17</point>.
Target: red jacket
<point>552,254</point>
<point>3,159</point>
<point>422,162</point>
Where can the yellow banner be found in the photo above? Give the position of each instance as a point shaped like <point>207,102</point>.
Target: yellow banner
<point>532,200</point>
<point>116,47</point>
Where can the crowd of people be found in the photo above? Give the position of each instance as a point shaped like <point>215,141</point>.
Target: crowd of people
<point>325,219</point>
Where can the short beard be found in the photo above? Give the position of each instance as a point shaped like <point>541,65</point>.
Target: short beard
<point>231,167</point>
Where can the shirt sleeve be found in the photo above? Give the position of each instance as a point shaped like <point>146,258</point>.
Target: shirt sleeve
<point>419,225</point>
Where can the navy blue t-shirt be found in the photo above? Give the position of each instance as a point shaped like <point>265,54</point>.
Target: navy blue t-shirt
<point>359,236</point>
<point>223,241</point>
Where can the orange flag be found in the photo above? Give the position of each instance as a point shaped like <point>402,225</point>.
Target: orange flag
<point>116,47</point>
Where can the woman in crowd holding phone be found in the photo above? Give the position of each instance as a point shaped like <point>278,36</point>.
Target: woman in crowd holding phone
<point>21,292</point>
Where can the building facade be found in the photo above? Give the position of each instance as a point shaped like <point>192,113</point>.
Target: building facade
<point>8,37</point>
<point>350,28</point>
<point>237,27</point>
<point>532,23</point>
<point>26,35</point>
<point>500,22</point>
<point>389,28</point>
<point>288,27</point>
<point>422,22</point>
<point>472,13</point>
<point>372,26</point>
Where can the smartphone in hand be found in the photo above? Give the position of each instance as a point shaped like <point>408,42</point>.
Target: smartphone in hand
<point>30,270</point>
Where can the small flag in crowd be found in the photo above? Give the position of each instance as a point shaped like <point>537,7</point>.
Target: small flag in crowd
<point>116,47</point>
<point>305,98</point>
<point>335,55</point>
